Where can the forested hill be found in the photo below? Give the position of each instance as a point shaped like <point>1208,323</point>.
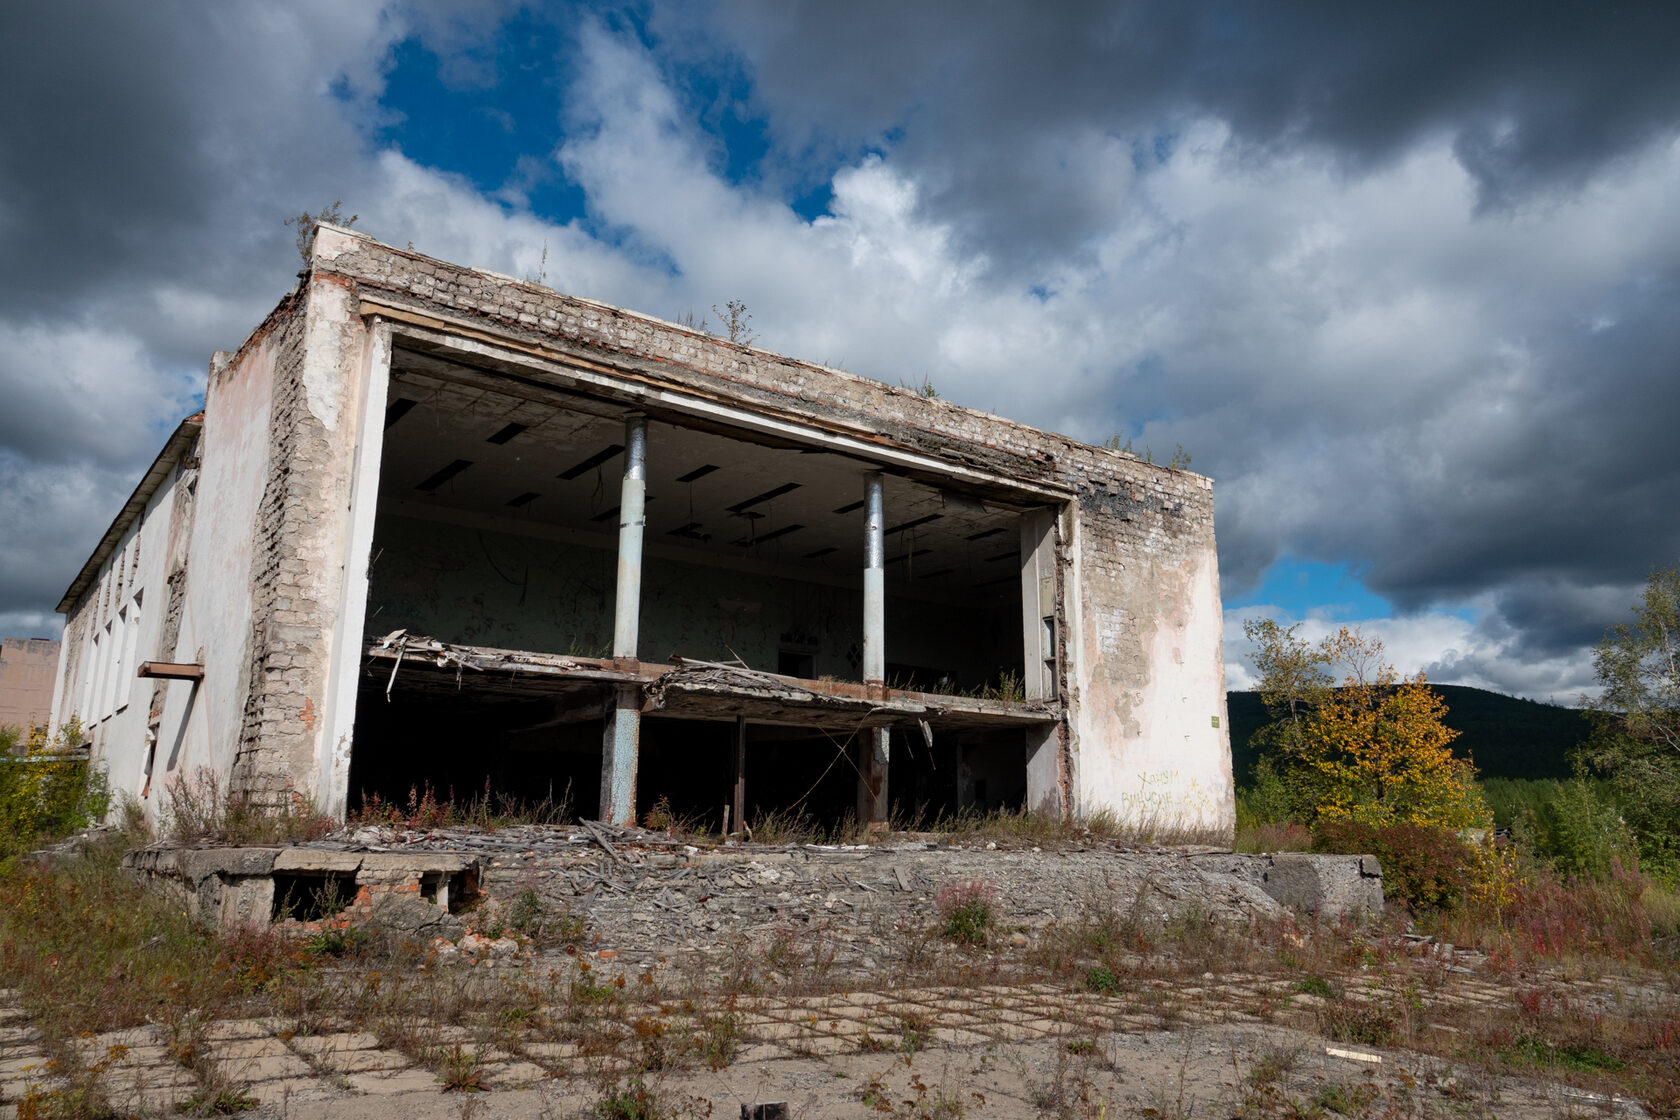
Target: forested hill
<point>1505,736</point>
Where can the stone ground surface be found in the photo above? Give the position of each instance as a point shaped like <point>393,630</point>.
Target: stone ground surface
<point>999,1051</point>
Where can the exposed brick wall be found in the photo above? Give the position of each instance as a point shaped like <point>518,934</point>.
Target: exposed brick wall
<point>285,642</point>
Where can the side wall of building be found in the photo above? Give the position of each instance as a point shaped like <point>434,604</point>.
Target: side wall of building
<point>1152,740</point>
<point>27,669</point>
<point>118,623</point>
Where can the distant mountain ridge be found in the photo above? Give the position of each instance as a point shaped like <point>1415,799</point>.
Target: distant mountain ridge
<point>1505,736</point>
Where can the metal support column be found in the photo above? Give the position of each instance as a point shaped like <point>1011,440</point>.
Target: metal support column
<point>739,804</point>
<point>874,755</point>
<point>621,742</point>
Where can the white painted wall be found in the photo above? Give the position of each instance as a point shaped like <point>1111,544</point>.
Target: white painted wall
<point>1155,748</point>
<point>216,624</point>
<point>102,689</point>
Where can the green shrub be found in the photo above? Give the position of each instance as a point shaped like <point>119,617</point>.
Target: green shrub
<point>1424,869</point>
<point>46,793</point>
<point>966,910</point>
<point>1576,825</point>
<point>1267,799</point>
<point>1583,834</point>
<point>1102,979</point>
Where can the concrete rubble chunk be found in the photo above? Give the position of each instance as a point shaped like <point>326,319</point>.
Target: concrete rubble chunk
<point>197,864</point>
<point>424,862</point>
<point>414,919</point>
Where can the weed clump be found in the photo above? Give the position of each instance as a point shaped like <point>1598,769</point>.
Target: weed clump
<point>198,810</point>
<point>967,910</point>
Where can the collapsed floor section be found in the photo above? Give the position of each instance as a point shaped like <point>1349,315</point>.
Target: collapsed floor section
<point>445,722</point>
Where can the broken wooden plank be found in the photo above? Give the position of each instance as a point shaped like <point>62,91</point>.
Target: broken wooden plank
<point>597,834</point>
<point>171,670</point>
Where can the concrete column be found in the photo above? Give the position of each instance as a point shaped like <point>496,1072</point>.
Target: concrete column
<point>739,802</point>
<point>621,740</point>
<point>1045,780</point>
<point>1045,752</point>
<point>621,744</point>
<point>1038,603</point>
<point>874,756</point>
<point>631,519</point>
<point>332,750</point>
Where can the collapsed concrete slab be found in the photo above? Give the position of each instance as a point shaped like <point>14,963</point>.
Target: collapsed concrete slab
<point>632,892</point>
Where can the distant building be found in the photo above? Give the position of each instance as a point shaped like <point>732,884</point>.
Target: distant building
<point>438,527</point>
<point>27,668</point>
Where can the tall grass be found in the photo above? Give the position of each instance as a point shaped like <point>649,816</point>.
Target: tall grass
<point>425,808</point>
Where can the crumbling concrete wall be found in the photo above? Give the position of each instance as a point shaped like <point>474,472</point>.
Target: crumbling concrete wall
<point>672,896</point>
<point>228,558</point>
<point>310,374</point>
<point>1152,738</point>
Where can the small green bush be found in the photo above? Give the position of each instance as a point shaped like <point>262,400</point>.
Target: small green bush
<point>1101,979</point>
<point>1267,799</point>
<point>966,910</point>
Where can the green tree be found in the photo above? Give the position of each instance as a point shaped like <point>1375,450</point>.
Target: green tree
<point>1636,719</point>
<point>1374,749</point>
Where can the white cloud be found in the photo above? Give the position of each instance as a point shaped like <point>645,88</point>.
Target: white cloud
<point>1373,370</point>
<point>1447,647</point>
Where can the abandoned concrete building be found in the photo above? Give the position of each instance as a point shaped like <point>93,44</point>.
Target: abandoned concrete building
<point>437,528</point>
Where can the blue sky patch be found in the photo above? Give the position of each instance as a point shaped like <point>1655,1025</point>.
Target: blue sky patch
<point>481,131</point>
<point>1307,587</point>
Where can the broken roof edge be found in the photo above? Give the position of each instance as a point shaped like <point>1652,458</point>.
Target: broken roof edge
<point>173,448</point>
<point>323,251</point>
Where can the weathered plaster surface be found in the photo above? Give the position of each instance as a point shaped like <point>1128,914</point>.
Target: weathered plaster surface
<point>1154,744</point>
<point>115,710</point>
<point>227,556</point>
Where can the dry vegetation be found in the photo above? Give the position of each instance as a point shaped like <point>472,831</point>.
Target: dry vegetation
<point>1585,987</point>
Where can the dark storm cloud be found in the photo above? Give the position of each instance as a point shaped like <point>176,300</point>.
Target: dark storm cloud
<point>1400,277</point>
<point>981,97</point>
<point>147,156</point>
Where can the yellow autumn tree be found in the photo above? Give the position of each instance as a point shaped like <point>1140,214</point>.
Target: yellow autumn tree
<point>1375,748</point>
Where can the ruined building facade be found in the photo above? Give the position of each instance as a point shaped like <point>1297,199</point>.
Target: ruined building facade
<point>438,529</point>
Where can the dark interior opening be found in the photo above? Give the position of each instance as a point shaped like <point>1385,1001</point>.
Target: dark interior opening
<point>497,526</point>
<point>460,746</point>
<point>966,770</point>
<point>312,896</point>
<point>498,523</point>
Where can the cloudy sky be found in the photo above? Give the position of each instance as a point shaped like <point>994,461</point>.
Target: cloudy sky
<point>1403,279</point>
